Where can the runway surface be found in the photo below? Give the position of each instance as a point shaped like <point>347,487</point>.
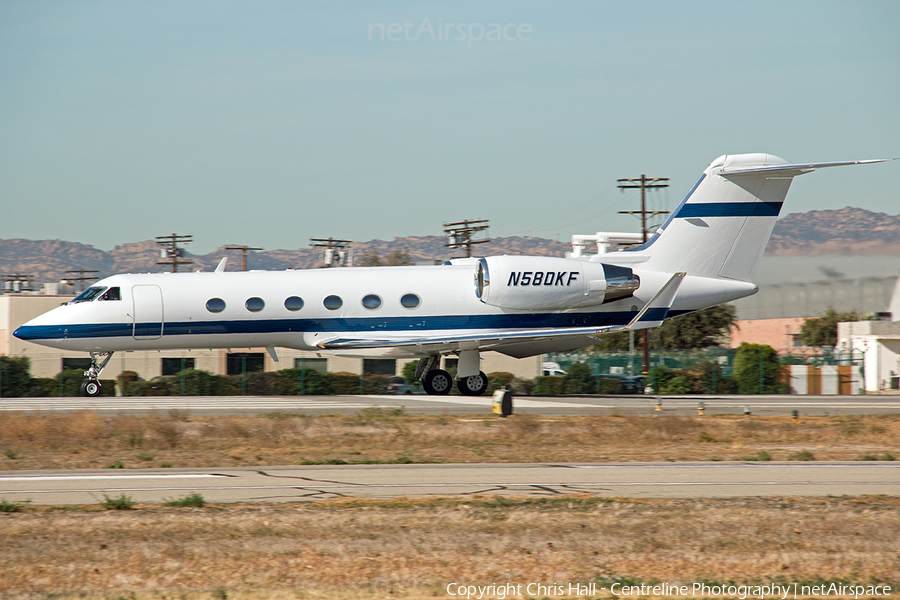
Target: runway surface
<point>459,405</point>
<point>305,483</point>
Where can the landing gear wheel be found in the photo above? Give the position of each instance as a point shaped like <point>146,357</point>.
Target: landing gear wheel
<point>90,388</point>
<point>474,385</point>
<point>437,382</point>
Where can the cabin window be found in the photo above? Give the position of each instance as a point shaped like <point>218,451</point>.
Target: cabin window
<point>371,301</point>
<point>333,302</point>
<point>293,303</point>
<point>87,295</point>
<point>215,305</point>
<point>255,304</point>
<point>111,294</point>
<point>409,301</point>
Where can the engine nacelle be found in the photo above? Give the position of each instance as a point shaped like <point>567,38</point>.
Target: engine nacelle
<point>543,282</point>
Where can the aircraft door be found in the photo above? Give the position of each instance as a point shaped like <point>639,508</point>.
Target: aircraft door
<point>148,312</point>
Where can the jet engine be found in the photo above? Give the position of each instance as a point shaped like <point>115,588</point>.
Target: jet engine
<point>542,282</point>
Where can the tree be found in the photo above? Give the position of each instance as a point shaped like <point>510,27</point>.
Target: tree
<point>578,379</point>
<point>409,371</point>
<point>15,379</point>
<point>747,362</point>
<point>822,331</point>
<point>700,329</point>
<point>398,258</point>
<point>696,330</point>
<point>370,258</point>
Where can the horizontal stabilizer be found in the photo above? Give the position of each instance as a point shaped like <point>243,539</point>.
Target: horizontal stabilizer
<point>794,170</point>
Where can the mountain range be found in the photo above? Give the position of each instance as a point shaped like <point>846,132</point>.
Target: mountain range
<point>845,231</point>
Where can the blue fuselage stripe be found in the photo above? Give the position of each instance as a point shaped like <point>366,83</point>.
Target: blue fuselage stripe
<point>340,325</point>
<point>729,209</point>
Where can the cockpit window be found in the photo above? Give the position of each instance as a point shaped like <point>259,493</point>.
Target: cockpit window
<point>111,294</point>
<point>88,294</point>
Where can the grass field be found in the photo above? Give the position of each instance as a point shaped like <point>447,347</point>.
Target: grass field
<point>85,440</point>
<point>410,548</point>
<point>415,548</point>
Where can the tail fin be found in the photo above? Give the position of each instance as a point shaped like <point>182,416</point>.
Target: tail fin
<point>722,226</point>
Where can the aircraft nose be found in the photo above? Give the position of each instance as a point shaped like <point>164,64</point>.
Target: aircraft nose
<point>38,329</point>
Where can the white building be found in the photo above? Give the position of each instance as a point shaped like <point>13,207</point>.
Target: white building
<point>879,342</point>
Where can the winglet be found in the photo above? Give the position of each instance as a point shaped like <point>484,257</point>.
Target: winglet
<point>221,267</point>
<point>655,311</point>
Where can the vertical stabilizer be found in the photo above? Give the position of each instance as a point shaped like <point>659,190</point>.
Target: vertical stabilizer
<point>721,227</point>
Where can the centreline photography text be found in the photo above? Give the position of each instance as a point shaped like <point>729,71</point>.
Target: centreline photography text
<point>742,592</point>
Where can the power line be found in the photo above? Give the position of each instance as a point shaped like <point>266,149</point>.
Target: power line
<point>171,251</point>
<point>82,277</point>
<point>644,183</point>
<point>459,235</point>
<point>243,250</point>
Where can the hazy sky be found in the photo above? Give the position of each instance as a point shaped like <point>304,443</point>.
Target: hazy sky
<point>267,123</point>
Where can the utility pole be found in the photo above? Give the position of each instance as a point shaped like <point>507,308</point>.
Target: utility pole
<point>459,235</point>
<point>644,183</point>
<point>243,250</point>
<point>335,251</point>
<point>170,250</point>
<point>82,278</point>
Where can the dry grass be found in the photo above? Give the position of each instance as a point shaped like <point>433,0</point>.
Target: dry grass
<point>85,440</point>
<point>414,548</point>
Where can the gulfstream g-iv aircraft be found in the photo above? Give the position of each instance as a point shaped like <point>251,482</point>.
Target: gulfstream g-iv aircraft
<point>705,253</point>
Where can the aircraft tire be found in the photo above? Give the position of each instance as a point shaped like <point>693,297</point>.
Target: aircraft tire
<point>437,382</point>
<point>90,388</point>
<point>475,385</point>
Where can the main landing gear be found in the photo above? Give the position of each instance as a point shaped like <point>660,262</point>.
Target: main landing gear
<point>91,387</point>
<point>470,380</point>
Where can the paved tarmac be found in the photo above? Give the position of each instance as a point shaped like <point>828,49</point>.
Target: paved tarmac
<point>460,405</point>
<point>305,483</point>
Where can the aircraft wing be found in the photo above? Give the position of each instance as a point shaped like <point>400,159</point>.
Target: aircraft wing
<point>651,315</point>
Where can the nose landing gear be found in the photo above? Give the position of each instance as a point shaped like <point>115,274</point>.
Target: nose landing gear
<point>91,387</point>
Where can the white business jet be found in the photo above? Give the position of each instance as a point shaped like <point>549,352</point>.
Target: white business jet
<point>705,253</point>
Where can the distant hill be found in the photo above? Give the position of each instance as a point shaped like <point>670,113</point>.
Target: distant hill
<point>845,231</point>
<point>48,260</point>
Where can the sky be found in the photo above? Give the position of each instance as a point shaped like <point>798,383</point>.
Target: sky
<point>269,123</point>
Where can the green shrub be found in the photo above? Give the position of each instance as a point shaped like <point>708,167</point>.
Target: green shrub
<point>120,502</point>
<point>578,379</point>
<point>550,385</point>
<point>802,455</point>
<point>203,383</point>
<point>679,384</point>
<point>13,453</point>
<point>747,366</point>
<point>194,500</point>
<point>10,507</point>
<point>306,382</point>
<point>15,378</point>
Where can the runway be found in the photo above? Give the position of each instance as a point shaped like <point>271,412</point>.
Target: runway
<point>204,406</point>
<point>307,483</point>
